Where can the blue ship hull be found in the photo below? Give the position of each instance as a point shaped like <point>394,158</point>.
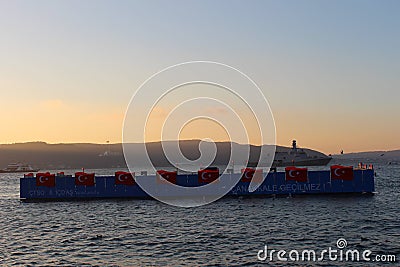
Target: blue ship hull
<point>319,182</point>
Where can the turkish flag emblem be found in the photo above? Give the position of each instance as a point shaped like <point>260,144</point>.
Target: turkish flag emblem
<point>296,174</point>
<point>249,174</point>
<point>164,176</point>
<point>124,178</point>
<point>82,178</point>
<point>207,176</point>
<point>45,179</point>
<point>342,172</point>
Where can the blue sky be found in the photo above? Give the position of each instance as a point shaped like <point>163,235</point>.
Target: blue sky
<point>318,62</point>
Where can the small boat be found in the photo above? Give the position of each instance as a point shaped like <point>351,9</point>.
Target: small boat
<point>18,167</point>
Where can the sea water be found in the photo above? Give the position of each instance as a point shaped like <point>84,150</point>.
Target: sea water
<point>229,232</point>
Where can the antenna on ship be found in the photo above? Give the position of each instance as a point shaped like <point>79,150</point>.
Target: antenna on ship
<point>294,145</point>
<point>108,148</point>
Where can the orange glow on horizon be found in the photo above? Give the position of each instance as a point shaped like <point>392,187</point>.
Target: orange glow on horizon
<point>55,121</point>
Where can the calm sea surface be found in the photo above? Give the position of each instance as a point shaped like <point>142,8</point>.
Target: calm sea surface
<point>228,232</point>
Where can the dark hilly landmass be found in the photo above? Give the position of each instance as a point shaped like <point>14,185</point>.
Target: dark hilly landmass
<point>385,157</point>
<point>66,156</point>
<point>72,156</point>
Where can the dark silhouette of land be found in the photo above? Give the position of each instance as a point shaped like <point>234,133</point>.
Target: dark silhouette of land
<point>72,156</point>
<point>78,155</point>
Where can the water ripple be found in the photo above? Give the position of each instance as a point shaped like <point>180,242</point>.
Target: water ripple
<point>227,232</point>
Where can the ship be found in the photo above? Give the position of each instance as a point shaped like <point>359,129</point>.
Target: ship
<point>18,167</point>
<point>296,156</point>
<point>290,182</point>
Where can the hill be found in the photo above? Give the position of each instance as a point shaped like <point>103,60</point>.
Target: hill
<point>78,155</point>
<point>392,156</point>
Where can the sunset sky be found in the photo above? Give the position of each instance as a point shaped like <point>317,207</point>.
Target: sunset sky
<point>329,69</point>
